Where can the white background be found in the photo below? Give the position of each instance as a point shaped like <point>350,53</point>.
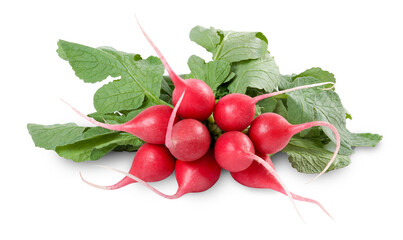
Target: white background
<point>42,196</point>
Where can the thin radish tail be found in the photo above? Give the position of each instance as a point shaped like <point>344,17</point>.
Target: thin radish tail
<point>171,121</point>
<point>267,95</point>
<point>274,173</point>
<point>295,196</point>
<point>178,194</point>
<point>93,121</point>
<point>178,81</point>
<point>303,126</point>
<point>303,199</point>
<point>124,182</point>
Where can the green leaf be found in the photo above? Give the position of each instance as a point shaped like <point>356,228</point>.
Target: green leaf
<point>205,37</point>
<point>119,117</point>
<point>281,109</point>
<point>51,136</point>
<point>96,64</point>
<point>239,46</point>
<point>285,82</point>
<point>214,73</point>
<point>167,86</point>
<point>261,73</point>
<point>110,118</point>
<point>267,105</point>
<point>317,105</point>
<point>228,45</point>
<point>318,73</point>
<point>81,143</point>
<point>118,95</point>
<point>90,64</point>
<point>96,147</point>
<point>123,94</point>
<point>365,139</point>
<point>308,156</point>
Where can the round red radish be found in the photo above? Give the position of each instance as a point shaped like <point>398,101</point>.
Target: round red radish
<point>270,133</point>
<point>151,163</point>
<point>190,140</point>
<point>231,151</point>
<point>199,100</point>
<point>150,125</point>
<point>197,176</point>
<point>235,112</point>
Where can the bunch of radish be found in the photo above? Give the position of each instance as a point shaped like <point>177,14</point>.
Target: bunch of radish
<point>178,140</point>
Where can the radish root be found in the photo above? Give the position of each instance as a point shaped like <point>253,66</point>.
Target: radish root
<point>274,173</point>
<point>263,96</point>
<point>93,121</point>
<point>303,126</point>
<point>139,180</point>
<point>171,121</point>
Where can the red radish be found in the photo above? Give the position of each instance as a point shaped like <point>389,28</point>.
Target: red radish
<point>151,163</point>
<point>192,177</point>
<point>255,176</point>
<point>150,125</point>
<point>270,133</point>
<point>188,139</point>
<point>200,100</point>
<point>235,112</point>
<point>234,152</point>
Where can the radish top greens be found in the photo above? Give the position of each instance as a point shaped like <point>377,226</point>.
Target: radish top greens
<point>240,63</point>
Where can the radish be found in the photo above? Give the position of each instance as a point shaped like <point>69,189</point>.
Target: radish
<point>234,152</point>
<point>199,102</point>
<point>151,163</point>
<point>188,139</point>
<point>270,133</point>
<point>255,176</point>
<point>235,112</point>
<point>192,177</point>
<point>150,125</point>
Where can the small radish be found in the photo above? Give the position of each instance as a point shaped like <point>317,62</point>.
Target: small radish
<point>200,100</point>
<point>192,177</point>
<point>235,112</point>
<point>150,125</point>
<point>151,163</point>
<point>255,176</point>
<point>270,133</point>
<point>234,152</point>
<point>188,139</point>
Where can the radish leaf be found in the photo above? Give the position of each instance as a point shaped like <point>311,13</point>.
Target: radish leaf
<point>261,73</point>
<point>123,94</point>
<point>214,73</point>
<point>308,156</point>
<point>96,64</point>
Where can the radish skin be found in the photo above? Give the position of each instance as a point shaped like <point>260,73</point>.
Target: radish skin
<point>150,125</point>
<point>270,133</point>
<point>171,122</point>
